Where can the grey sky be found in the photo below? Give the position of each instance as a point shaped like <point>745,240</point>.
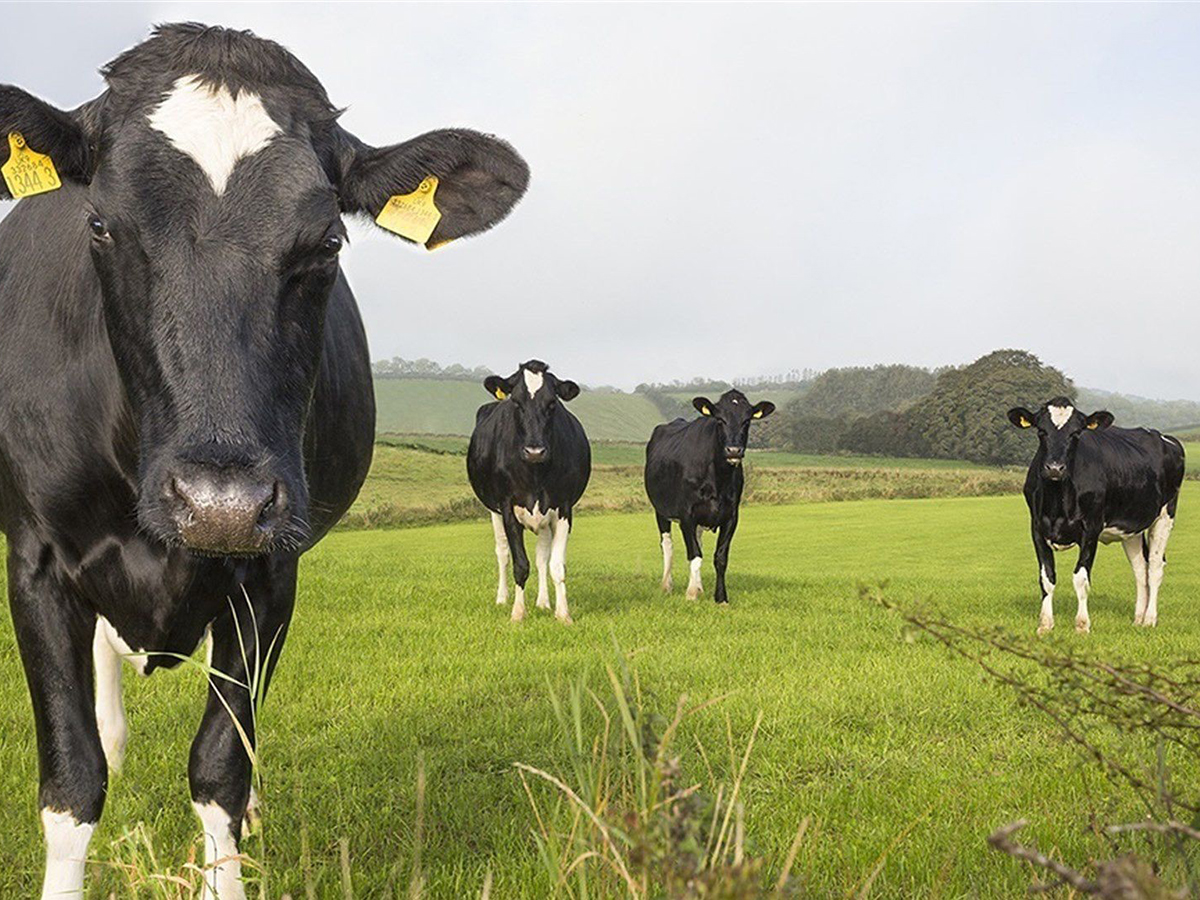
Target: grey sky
<point>731,190</point>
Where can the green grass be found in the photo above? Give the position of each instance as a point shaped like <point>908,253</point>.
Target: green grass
<point>397,649</point>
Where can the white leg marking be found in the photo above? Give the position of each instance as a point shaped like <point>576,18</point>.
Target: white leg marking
<point>136,658</point>
<point>1137,562</point>
<point>518,610</point>
<point>213,128</point>
<point>544,538</point>
<point>501,558</point>
<point>222,865</point>
<point>66,852</point>
<point>253,816</point>
<point>1046,619</point>
<point>110,705</point>
<point>1159,532</point>
<point>1083,585</point>
<point>558,568</point>
<point>695,588</point>
<point>668,550</point>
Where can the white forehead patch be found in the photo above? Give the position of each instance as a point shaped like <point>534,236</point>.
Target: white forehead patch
<point>533,381</point>
<point>212,127</point>
<point>1060,415</point>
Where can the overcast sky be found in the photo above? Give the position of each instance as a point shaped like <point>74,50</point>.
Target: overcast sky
<point>732,190</point>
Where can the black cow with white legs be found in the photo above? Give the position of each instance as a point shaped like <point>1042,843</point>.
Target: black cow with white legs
<point>1091,483</point>
<point>529,462</point>
<point>694,477</point>
<point>185,390</point>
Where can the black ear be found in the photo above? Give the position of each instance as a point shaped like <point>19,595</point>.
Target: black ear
<point>498,387</point>
<point>36,127</point>
<point>1020,416</point>
<point>703,405</point>
<point>567,391</point>
<point>763,409</point>
<point>472,179</point>
<point>1099,420</point>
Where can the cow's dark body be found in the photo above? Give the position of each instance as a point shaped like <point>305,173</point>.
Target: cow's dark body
<point>521,493</point>
<point>694,477</point>
<point>1090,483</point>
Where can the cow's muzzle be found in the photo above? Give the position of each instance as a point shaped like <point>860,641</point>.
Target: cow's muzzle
<point>1055,471</point>
<point>734,455</point>
<point>226,513</point>
<point>534,454</point>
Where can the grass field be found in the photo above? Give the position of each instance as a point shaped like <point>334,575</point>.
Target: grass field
<point>900,754</point>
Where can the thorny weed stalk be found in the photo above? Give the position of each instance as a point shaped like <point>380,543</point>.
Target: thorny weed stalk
<point>621,820</point>
<point>1125,719</point>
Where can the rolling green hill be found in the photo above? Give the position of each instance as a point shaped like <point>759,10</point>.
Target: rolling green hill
<point>419,406</point>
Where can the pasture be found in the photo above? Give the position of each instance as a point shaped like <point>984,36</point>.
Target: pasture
<point>903,757</point>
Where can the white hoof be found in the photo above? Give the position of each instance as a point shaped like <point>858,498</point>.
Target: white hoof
<point>1045,624</point>
<point>518,613</point>
<point>565,618</point>
<point>694,591</point>
<point>543,601</point>
<point>1083,624</point>
<point>667,585</point>
<point>501,599</point>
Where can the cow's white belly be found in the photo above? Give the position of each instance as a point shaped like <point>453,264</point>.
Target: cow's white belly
<point>1112,535</point>
<point>535,518</point>
<point>1060,547</point>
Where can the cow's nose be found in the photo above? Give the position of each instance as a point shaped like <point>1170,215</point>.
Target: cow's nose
<point>733,453</point>
<point>1055,470</point>
<point>534,454</point>
<point>227,514</point>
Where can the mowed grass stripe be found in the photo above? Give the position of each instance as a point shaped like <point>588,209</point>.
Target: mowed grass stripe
<point>398,648</point>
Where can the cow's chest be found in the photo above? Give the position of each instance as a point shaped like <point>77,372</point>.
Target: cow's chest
<point>534,517</point>
<point>1061,532</point>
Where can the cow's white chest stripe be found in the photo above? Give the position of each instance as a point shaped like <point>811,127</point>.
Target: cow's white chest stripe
<point>213,127</point>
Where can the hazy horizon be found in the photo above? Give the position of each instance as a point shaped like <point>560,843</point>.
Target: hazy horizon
<point>731,191</point>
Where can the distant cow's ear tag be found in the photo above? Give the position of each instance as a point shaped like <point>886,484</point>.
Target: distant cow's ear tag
<point>1093,425</point>
<point>706,411</point>
<point>758,414</point>
<point>27,173</point>
<point>500,395</point>
<point>413,216</point>
<point>1025,423</point>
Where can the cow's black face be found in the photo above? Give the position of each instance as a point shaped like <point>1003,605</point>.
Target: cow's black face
<point>733,414</point>
<point>1059,426</point>
<point>215,306</point>
<point>217,178</point>
<point>535,395</point>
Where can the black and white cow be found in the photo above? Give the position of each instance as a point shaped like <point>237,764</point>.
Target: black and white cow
<point>694,477</point>
<point>1091,483</point>
<point>529,462</point>
<point>185,391</point>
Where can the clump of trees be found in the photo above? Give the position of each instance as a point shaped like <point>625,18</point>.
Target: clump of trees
<point>398,367</point>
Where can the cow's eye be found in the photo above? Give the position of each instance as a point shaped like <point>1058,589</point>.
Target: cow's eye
<point>97,227</point>
<point>332,245</point>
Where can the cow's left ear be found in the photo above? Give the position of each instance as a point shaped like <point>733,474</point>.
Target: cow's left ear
<point>703,405</point>
<point>763,409</point>
<point>1099,420</point>
<point>36,130</point>
<point>567,391</point>
<point>434,188</point>
<point>498,387</point>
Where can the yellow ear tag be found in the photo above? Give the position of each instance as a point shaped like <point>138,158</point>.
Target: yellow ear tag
<point>758,414</point>
<point>706,411</point>
<point>1025,423</point>
<point>412,215</point>
<point>27,173</point>
<point>1092,426</point>
<point>500,395</point>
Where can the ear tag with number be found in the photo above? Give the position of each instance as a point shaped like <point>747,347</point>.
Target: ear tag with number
<point>414,215</point>
<point>27,173</point>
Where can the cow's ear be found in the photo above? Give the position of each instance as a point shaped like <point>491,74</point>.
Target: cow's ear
<point>434,188</point>
<point>763,409</point>
<point>498,387</point>
<point>703,405</point>
<point>1099,420</point>
<point>38,131</point>
<point>1021,417</point>
<point>567,391</point>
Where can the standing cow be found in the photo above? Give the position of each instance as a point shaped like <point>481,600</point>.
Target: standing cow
<point>694,477</point>
<point>1091,483</point>
<point>529,462</point>
<point>185,391</point>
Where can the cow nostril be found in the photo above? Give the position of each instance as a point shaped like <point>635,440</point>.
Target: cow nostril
<point>274,506</point>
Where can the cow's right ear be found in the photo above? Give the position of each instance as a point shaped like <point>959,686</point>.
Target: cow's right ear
<point>703,405</point>
<point>498,387</point>
<point>434,188</point>
<point>32,126</point>
<point>1021,417</point>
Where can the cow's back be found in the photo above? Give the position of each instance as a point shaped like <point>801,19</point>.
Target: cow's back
<point>1134,472</point>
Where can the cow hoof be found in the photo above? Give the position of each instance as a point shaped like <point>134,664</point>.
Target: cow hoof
<point>1044,626</point>
<point>543,602</point>
<point>501,599</point>
<point>1083,626</point>
<point>518,614</point>
<point>694,592</point>
<point>566,620</point>
<point>667,586</point>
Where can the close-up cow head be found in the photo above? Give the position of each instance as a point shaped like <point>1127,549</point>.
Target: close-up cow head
<point>1059,426</point>
<point>208,185</point>
<point>535,395</point>
<point>733,414</point>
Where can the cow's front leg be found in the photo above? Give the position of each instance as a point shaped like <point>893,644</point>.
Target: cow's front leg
<point>544,538</point>
<point>520,561</point>
<point>721,557</point>
<point>501,558</point>
<point>691,543</point>
<point>668,551</point>
<point>558,566</point>
<point>54,633</point>
<point>1083,580</point>
<point>1045,558</point>
<point>245,649</point>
